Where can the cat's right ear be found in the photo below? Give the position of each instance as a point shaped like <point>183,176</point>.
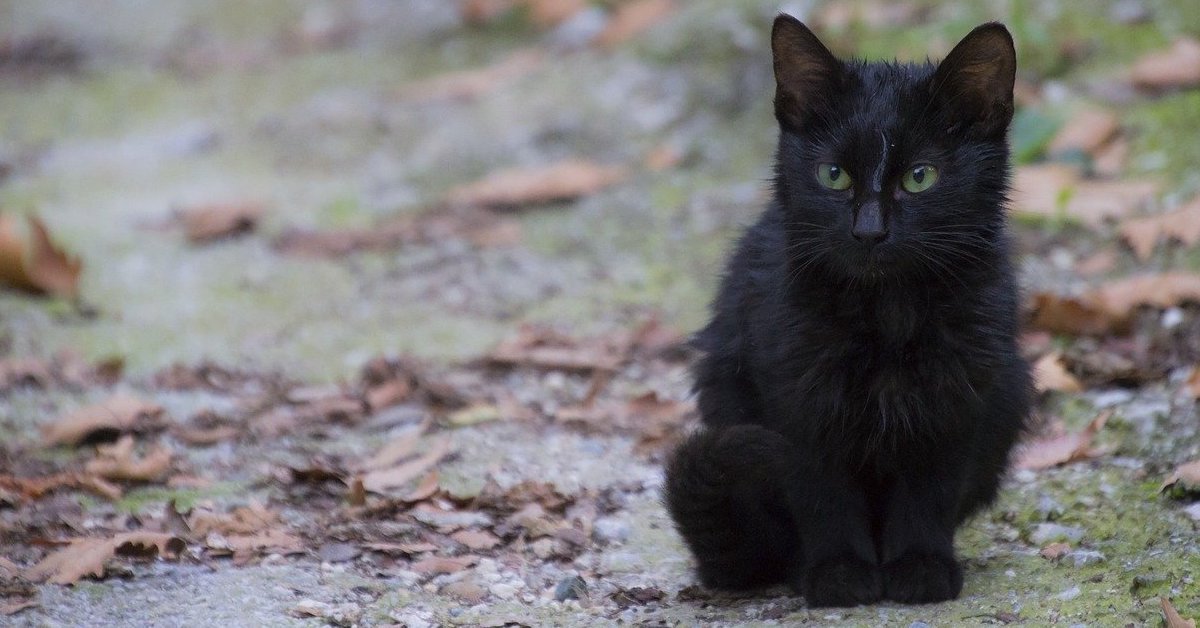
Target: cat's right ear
<point>805,70</point>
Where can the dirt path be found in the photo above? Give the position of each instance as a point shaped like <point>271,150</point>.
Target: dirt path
<point>419,388</point>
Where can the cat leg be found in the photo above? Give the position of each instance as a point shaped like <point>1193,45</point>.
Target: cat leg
<point>917,540</point>
<point>724,491</point>
<point>840,561</point>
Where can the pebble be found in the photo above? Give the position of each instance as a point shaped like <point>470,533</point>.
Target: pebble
<point>1087,557</point>
<point>1048,532</point>
<point>1069,594</point>
<point>338,552</point>
<point>1110,398</point>
<point>503,590</point>
<point>611,530</point>
<point>465,590</point>
<point>1193,511</point>
<point>410,620</point>
<point>570,588</point>
<point>919,624</point>
<point>542,548</point>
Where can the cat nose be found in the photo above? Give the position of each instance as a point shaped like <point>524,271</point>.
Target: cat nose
<point>868,225</point>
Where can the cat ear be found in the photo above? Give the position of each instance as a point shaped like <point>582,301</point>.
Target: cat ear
<point>805,70</point>
<point>973,85</point>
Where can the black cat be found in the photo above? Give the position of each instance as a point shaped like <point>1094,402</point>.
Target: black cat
<point>861,385</point>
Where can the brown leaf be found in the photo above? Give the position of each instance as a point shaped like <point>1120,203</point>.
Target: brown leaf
<point>1087,131</point>
<point>247,546</point>
<point>467,85</point>
<point>39,266</point>
<point>86,557</point>
<point>204,437</point>
<point>12,608</point>
<point>1144,233</point>
<point>541,347</point>
<point>395,450</point>
<point>1177,66</point>
<point>480,227</point>
<point>631,19</point>
<point>1110,306</point>
<point>443,565</point>
<point>1109,160</point>
<point>388,393</point>
<point>549,13</point>
<point>1186,476</point>
<point>1049,373</point>
<point>516,187</point>
<point>1054,551</point>
<point>357,495</point>
<point>380,480</point>
<point>1097,263</point>
<point>205,223</point>
<point>1172,616</point>
<point>1062,448</point>
<point>118,414</point>
<point>242,520</point>
<point>34,488</point>
<point>480,11</point>
<point>476,539</point>
<point>426,488</point>
<point>400,548</point>
<point>118,462</point>
<point>1058,191</point>
<point>1193,383</point>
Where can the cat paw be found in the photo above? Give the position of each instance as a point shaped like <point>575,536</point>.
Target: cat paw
<point>917,578</point>
<point>842,581</point>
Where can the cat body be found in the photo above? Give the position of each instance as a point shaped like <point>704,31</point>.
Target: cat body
<point>861,386</point>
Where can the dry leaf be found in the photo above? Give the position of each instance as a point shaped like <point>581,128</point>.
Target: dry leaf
<point>480,11</point>
<point>1049,373</point>
<point>1172,616</point>
<point>476,539</point>
<point>1110,306</point>
<point>1109,160</point>
<point>1193,383</point>
<point>1144,233</point>
<point>1087,131</point>
<point>395,450</point>
<point>39,267</point>
<point>471,84</point>
<point>241,520</point>
<point>400,548</point>
<point>1059,191</point>
<point>1097,263</point>
<point>480,227</point>
<point>118,462</point>
<point>443,565</point>
<point>380,480</point>
<point>17,606</point>
<point>205,223</point>
<point>549,13</point>
<point>1177,66</point>
<point>540,347</point>
<point>33,488</point>
<point>631,19</point>
<point>273,541</point>
<point>118,414</point>
<point>1186,476</point>
<point>86,557</point>
<point>426,488</point>
<point>516,187</point>
<point>1062,448</point>
<point>1054,551</point>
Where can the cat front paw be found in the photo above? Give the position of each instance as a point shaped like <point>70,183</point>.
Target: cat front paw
<point>919,578</point>
<point>841,581</point>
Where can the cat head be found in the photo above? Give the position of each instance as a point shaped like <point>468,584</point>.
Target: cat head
<point>888,169</point>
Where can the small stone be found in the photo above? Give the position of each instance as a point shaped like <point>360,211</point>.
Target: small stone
<point>571,588</point>
<point>465,590</point>
<point>503,590</point>
<point>1044,533</point>
<point>1049,508</point>
<point>410,620</point>
<point>542,548</point>
<point>919,624</point>
<point>1109,398</point>
<point>1193,511</point>
<point>611,530</point>
<point>1087,557</point>
<point>338,552</point>
<point>1069,594</point>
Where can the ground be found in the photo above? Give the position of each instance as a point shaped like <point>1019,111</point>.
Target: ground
<point>334,125</point>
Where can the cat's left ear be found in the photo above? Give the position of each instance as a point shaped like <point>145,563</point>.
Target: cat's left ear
<point>973,85</point>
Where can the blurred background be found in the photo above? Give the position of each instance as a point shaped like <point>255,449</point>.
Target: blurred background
<point>463,241</point>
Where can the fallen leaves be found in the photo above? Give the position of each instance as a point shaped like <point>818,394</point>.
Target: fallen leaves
<point>633,18</point>
<point>1061,447</point>
<point>38,266</point>
<point>118,414</point>
<point>1177,66</point>
<point>88,557</point>
<point>206,223</point>
<point>1172,617</point>
<point>1049,373</point>
<point>468,85</point>
<point>1055,190</point>
<point>1186,477</point>
<point>1144,233</point>
<point>383,479</point>
<point>1109,307</point>
<point>478,226</point>
<point>1055,551</point>
<point>1087,131</point>
<point>120,462</point>
<point>556,182</point>
<point>35,488</point>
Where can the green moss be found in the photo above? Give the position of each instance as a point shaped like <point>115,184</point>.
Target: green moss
<point>137,500</point>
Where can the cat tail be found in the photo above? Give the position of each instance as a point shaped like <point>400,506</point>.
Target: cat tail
<point>725,491</point>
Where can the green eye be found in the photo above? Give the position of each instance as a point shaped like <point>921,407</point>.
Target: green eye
<point>833,177</point>
<point>919,178</point>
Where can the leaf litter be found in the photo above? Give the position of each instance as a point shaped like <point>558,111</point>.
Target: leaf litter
<point>38,266</point>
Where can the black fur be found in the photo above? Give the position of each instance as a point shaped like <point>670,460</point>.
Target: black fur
<point>860,400</point>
